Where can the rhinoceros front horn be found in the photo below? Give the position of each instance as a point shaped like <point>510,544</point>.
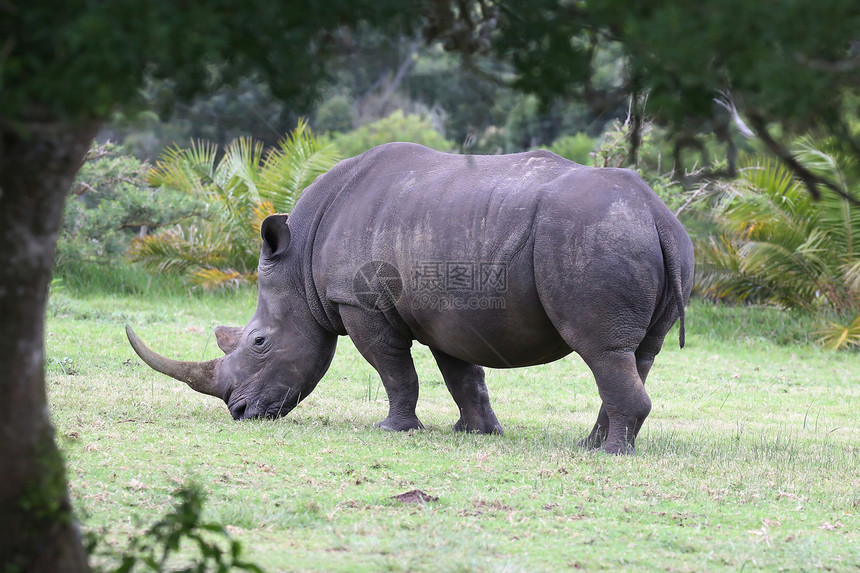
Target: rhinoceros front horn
<point>199,376</point>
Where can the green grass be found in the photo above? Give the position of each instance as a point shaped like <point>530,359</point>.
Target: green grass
<point>749,461</point>
<point>88,278</point>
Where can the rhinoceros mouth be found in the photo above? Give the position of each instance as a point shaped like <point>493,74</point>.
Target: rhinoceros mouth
<point>240,410</point>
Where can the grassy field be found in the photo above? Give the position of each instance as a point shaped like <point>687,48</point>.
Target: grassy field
<point>749,461</point>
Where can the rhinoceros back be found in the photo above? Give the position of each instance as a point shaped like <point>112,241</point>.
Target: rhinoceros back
<point>489,251</point>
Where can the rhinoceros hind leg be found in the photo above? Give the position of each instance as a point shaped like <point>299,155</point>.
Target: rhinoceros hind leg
<point>625,402</point>
<point>599,432</point>
<point>466,383</point>
<point>389,353</point>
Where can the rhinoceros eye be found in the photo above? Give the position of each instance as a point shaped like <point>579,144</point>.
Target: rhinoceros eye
<point>259,341</point>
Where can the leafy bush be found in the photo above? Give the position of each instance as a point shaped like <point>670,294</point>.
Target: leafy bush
<point>395,127</point>
<point>156,549</point>
<point>578,148</point>
<point>112,203</point>
<point>778,245</point>
<point>335,114</point>
<point>240,190</point>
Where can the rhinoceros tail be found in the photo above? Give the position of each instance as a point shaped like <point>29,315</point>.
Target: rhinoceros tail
<point>672,262</point>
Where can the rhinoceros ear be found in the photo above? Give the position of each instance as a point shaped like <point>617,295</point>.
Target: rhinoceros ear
<point>276,235</point>
<point>228,337</point>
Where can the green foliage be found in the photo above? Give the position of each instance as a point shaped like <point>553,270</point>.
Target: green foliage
<point>837,336</point>
<point>395,127</point>
<point>768,56</point>
<point>578,148</point>
<point>612,150</point>
<point>523,126</point>
<point>240,190</point>
<point>111,203</point>
<point>80,59</point>
<point>247,109</point>
<point>335,114</point>
<point>157,549</point>
<point>777,245</point>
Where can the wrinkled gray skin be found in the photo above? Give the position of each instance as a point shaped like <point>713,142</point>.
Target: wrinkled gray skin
<point>595,264</point>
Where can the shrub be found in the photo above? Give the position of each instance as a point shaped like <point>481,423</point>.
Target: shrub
<point>240,190</point>
<point>156,549</point>
<point>395,127</point>
<point>578,148</point>
<point>778,245</point>
<point>112,203</point>
<point>335,114</point>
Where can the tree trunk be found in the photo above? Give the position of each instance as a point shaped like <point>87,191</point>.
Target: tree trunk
<point>38,162</point>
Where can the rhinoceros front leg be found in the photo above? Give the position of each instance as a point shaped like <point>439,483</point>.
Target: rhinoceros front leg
<point>389,353</point>
<point>466,383</point>
<point>600,431</point>
<point>625,402</point>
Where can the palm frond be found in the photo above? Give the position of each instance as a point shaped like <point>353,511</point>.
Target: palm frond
<point>175,249</point>
<point>720,274</point>
<point>851,273</point>
<point>261,211</point>
<point>244,187</point>
<point>291,167</point>
<point>776,243</point>
<point>213,278</point>
<point>837,336</point>
<point>189,170</point>
<point>837,214</point>
<point>184,249</point>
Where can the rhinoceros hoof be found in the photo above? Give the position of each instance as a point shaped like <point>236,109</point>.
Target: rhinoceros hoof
<point>400,424</point>
<point>619,449</point>
<point>590,443</point>
<point>482,428</point>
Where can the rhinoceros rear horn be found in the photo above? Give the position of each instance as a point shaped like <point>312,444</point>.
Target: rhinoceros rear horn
<point>228,337</point>
<point>199,376</point>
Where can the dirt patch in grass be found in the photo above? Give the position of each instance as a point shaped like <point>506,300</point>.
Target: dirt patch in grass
<point>415,496</point>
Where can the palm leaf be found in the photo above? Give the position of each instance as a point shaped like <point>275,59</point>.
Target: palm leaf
<point>189,170</point>
<point>291,167</point>
<point>261,211</point>
<point>244,187</point>
<point>779,245</point>
<point>175,249</point>
<point>212,278</point>
<point>838,216</point>
<point>837,336</point>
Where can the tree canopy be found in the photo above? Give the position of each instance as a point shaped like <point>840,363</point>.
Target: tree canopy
<point>80,59</point>
<point>696,68</point>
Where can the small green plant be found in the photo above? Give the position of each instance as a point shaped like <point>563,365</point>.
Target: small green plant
<point>778,245</point>
<point>157,549</point>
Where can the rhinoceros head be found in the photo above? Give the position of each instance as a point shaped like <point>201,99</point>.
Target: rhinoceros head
<point>273,362</point>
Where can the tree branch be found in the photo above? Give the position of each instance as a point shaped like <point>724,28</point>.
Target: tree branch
<point>97,152</point>
<point>811,180</point>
